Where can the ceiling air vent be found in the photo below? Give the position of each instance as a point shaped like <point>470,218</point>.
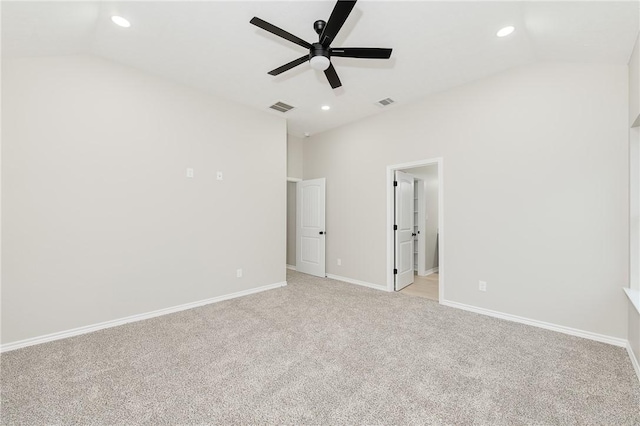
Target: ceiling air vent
<point>281,106</point>
<point>385,102</point>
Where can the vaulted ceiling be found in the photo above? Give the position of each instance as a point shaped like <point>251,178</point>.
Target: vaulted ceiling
<point>211,46</point>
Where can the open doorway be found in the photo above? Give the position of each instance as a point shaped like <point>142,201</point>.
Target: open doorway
<point>306,233</point>
<point>415,220</point>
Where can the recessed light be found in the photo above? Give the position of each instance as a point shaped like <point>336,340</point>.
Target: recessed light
<point>325,107</point>
<point>120,21</point>
<point>506,31</point>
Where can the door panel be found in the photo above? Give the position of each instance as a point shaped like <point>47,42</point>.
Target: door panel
<point>404,234</point>
<point>310,222</point>
<point>310,250</point>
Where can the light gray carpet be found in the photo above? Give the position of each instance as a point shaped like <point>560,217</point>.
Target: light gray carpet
<point>321,352</point>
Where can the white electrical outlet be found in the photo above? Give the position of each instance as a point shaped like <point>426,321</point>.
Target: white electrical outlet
<point>239,273</point>
<point>339,262</point>
<point>219,175</point>
<point>482,285</point>
<point>189,172</point>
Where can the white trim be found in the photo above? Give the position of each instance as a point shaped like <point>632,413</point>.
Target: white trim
<point>634,360</point>
<point>357,282</point>
<point>292,179</point>
<point>634,297</point>
<point>429,272</point>
<point>390,237</point>
<point>133,318</point>
<point>422,231</point>
<point>540,324</point>
<point>292,267</point>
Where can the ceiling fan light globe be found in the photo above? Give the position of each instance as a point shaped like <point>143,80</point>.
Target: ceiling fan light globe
<point>320,63</point>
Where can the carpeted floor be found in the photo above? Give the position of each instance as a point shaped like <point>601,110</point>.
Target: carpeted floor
<point>321,352</point>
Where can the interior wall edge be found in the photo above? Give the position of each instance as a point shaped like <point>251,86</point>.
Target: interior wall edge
<point>132,318</point>
<point>358,282</point>
<point>611,340</point>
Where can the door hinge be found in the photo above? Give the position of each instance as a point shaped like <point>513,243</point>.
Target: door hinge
<point>395,183</point>
<point>395,227</point>
<point>395,272</point>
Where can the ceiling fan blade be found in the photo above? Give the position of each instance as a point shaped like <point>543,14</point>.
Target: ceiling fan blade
<point>332,76</point>
<point>340,14</point>
<point>292,64</point>
<point>279,32</point>
<point>362,52</point>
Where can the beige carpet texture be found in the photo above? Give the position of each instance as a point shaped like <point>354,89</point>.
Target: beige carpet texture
<point>320,352</point>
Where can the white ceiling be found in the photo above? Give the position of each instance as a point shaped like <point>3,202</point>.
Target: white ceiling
<point>212,46</point>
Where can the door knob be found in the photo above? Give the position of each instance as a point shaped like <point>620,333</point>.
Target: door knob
<point>413,234</point>
<point>322,233</point>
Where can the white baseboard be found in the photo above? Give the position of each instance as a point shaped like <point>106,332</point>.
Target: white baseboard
<point>357,282</point>
<point>429,272</point>
<point>292,267</point>
<point>541,324</point>
<point>634,360</point>
<point>133,318</point>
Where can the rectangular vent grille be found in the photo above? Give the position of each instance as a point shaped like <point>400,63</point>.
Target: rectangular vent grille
<point>281,106</point>
<point>385,102</point>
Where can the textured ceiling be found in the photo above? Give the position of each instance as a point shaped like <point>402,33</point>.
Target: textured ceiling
<point>212,46</point>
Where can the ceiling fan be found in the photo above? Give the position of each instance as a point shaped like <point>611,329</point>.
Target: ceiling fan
<point>320,53</point>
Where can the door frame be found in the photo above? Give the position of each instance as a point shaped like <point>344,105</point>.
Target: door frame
<point>391,214</point>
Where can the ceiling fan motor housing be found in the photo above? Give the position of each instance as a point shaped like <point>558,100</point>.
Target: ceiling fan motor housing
<point>318,50</point>
<point>319,57</point>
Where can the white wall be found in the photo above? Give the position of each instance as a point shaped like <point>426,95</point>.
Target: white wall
<point>99,221</point>
<point>535,191</point>
<point>295,150</point>
<point>634,195</point>
<point>295,146</point>
<point>634,82</point>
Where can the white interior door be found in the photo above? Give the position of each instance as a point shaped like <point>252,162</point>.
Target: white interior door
<point>403,230</point>
<point>310,244</point>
